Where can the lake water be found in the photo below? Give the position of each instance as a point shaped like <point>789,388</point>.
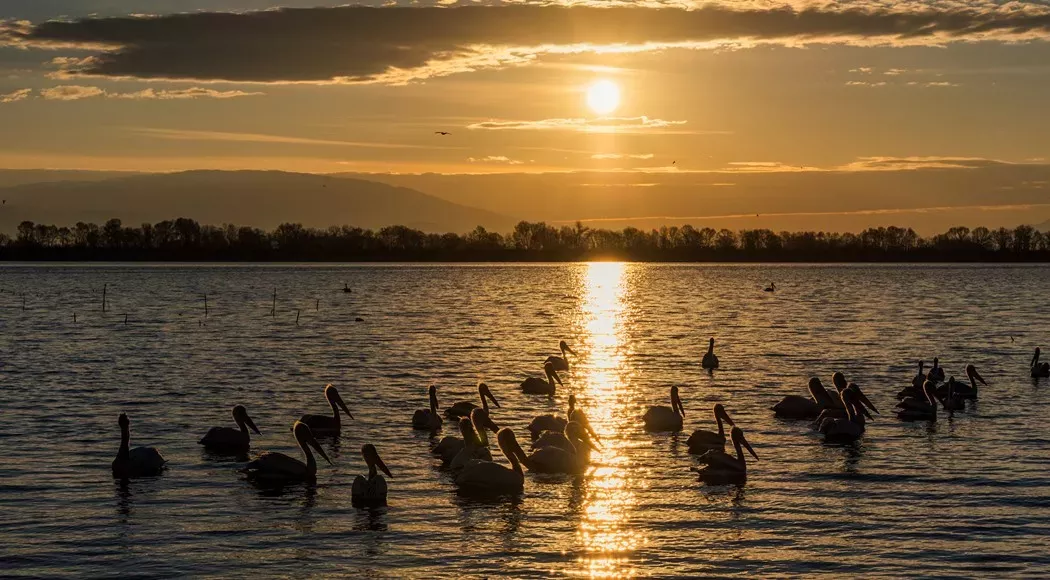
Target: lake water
<point>966,496</point>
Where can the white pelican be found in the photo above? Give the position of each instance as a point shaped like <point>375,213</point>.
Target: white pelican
<point>561,363</point>
<point>850,427</point>
<point>572,457</point>
<point>137,462</point>
<point>919,409</point>
<point>491,477</point>
<point>710,361</point>
<point>428,419</point>
<point>534,386</point>
<point>475,439</point>
<point>664,418</point>
<point>228,439</point>
<point>370,491</point>
<point>936,373</point>
<point>962,390</point>
<point>551,422</point>
<point>723,468</point>
<point>327,424</point>
<point>280,468</point>
<point>1039,370</point>
<point>463,408</point>
<point>799,407</point>
<point>702,441</point>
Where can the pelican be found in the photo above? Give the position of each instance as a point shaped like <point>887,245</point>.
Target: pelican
<point>327,424</point>
<point>572,458</point>
<point>280,468</point>
<point>1039,370</point>
<point>724,468</point>
<point>710,361</point>
<point>851,427</point>
<point>920,379</point>
<point>771,288</point>
<point>371,490</point>
<point>919,409</point>
<point>346,288</point>
<point>137,462</point>
<point>664,418</point>
<point>917,382</point>
<point>475,439</point>
<point>228,439</point>
<point>936,374</point>
<point>488,476</point>
<point>702,441</point>
<point>534,386</point>
<point>842,412</point>
<point>551,422</point>
<point>561,363</point>
<point>961,390</point>
<point>428,419</point>
<point>799,407</point>
<point>463,408</point>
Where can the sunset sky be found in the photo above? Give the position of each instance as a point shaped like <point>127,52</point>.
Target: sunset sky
<point>713,109</point>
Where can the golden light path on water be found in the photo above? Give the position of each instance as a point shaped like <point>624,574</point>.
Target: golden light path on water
<point>606,536</point>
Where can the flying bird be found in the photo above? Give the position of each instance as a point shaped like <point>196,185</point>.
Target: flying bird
<point>442,133</point>
<point>673,162</point>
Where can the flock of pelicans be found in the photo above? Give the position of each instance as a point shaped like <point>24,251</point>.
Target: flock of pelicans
<point>560,444</point>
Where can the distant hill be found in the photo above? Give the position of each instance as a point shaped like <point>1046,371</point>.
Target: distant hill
<point>1043,227</point>
<point>12,177</point>
<point>257,198</point>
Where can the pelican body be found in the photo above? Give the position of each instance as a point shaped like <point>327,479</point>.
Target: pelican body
<point>561,363</point>
<point>327,424</point>
<point>137,462</point>
<point>799,407</point>
<point>663,418</point>
<point>702,441</point>
<point>1039,370</point>
<point>228,439</point>
<point>723,468</point>
<point>370,491</point>
<point>968,392</point>
<point>475,440</point>
<point>936,373</point>
<point>551,422</point>
<point>534,386</point>
<point>491,477</point>
<point>278,468</point>
<point>919,409</point>
<point>841,412</point>
<point>570,457</point>
<point>463,408</point>
<point>851,427</point>
<point>917,382</point>
<point>428,419</point>
<point>710,361</point>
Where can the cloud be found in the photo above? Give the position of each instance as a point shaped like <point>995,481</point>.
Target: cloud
<point>190,135</point>
<point>940,84</point>
<point>358,44</point>
<point>18,95</point>
<point>598,125</point>
<point>866,70</point>
<point>495,159</point>
<point>622,156</point>
<point>912,163</point>
<point>865,84</point>
<point>71,93</point>
<point>78,92</point>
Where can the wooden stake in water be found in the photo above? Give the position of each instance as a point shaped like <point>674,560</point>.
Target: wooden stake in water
<point>273,310</point>
<point>74,318</point>
<point>104,287</point>
<point>125,319</point>
<point>205,305</point>
<point>297,317</point>
<point>317,306</point>
<point>23,302</point>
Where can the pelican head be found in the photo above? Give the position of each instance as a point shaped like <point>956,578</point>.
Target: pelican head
<point>862,398</point>
<point>240,416</point>
<point>480,419</point>
<point>936,362</point>
<point>508,444</point>
<point>814,383</point>
<point>486,393</point>
<point>305,437</point>
<point>711,345</point>
<point>971,372</point>
<point>922,364</point>
<point>720,412</point>
<point>1035,358</point>
<point>565,348</point>
<point>466,429</point>
<point>433,392</point>
<point>738,439</point>
<point>372,459</point>
<point>839,380</point>
<point>548,369</point>
<point>335,400</point>
<point>572,405</point>
<point>676,402</point>
<point>577,432</point>
<point>123,421</point>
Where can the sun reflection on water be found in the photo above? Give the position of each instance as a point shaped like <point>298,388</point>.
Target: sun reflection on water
<point>606,537</point>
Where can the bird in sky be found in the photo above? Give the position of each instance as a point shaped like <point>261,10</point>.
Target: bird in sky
<point>442,133</point>
<point>673,162</point>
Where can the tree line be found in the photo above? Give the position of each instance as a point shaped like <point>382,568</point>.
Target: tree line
<point>184,239</point>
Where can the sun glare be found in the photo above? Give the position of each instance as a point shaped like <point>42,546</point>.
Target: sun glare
<point>603,97</point>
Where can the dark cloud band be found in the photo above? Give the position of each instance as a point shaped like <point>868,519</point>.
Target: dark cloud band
<point>362,44</point>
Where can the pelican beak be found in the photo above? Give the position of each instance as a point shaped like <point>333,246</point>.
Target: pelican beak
<point>317,446</point>
<point>491,397</point>
<point>678,401</point>
<point>491,425</point>
<point>251,424</point>
<point>867,402</point>
<point>726,417</point>
<point>747,446</point>
<point>865,411</point>
<point>978,376</point>
<point>551,373</point>
<point>570,351</point>
<point>382,466</point>
<point>342,405</point>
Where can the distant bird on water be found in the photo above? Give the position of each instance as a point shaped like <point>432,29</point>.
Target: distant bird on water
<point>710,361</point>
<point>327,424</point>
<point>228,439</point>
<point>346,288</point>
<point>370,490</point>
<point>137,462</point>
<point>442,133</point>
<point>771,288</point>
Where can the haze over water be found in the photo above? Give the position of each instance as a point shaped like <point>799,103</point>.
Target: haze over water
<point>967,496</point>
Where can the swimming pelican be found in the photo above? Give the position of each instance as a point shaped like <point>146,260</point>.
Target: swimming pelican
<point>710,361</point>
<point>954,401</point>
<point>771,288</point>
<point>702,441</point>
<point>428,419</point>
<point>463,408</point>
<point>534,386</point>
<point>936,374</point>
<point>664,418</point>
<point>551,422</point>
<point>724,468</point>
<point>917,382</point>
<point>842,412</point>
<point>488,476</point>
<point>561,363</point>
<point>346,288</point>
<point>920,379</point>
<point>475,439</point>
<point>228,439</point>
<point>962,390</point>
<point>571,458</point>
<point>280,468</point>
<point>851,427</point>
<point>799,407</point>
<point>1039,370</point>
<point>371,490</point>
<point>137,462</point>
<point>327,424</point>
<point>919,409</point>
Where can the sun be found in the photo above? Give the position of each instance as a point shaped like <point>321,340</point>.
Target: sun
<point>603,97</point>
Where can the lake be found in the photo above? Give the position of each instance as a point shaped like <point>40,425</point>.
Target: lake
<point>968,495</point>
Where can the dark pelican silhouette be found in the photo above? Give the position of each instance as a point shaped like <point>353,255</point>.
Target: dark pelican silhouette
<point>660,418</point>
<point>1039,370</point>
<point>772,287</point>
<point>936,373</point>
<point>569,456</point>
<point>534,386</point>
<point>371,490</point>
<point>723,468</point>
<point>327,424</point>
<point>561,363</point>
<point>962,390</point>
<point>228,439</point>
<point>346,288</point>
<point>799,407</point>
<point>849,428</point>
<point>702,441</point>
<point>551,422</point>
<point>917,382</point>
<point>463,408</point>
<point>428,419</point>
<point>491,477</point>
<point>278,468</point>
<point>920,408</point>
<point>475,440</point>
<point>137,462</point>
<point>710,361</point>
